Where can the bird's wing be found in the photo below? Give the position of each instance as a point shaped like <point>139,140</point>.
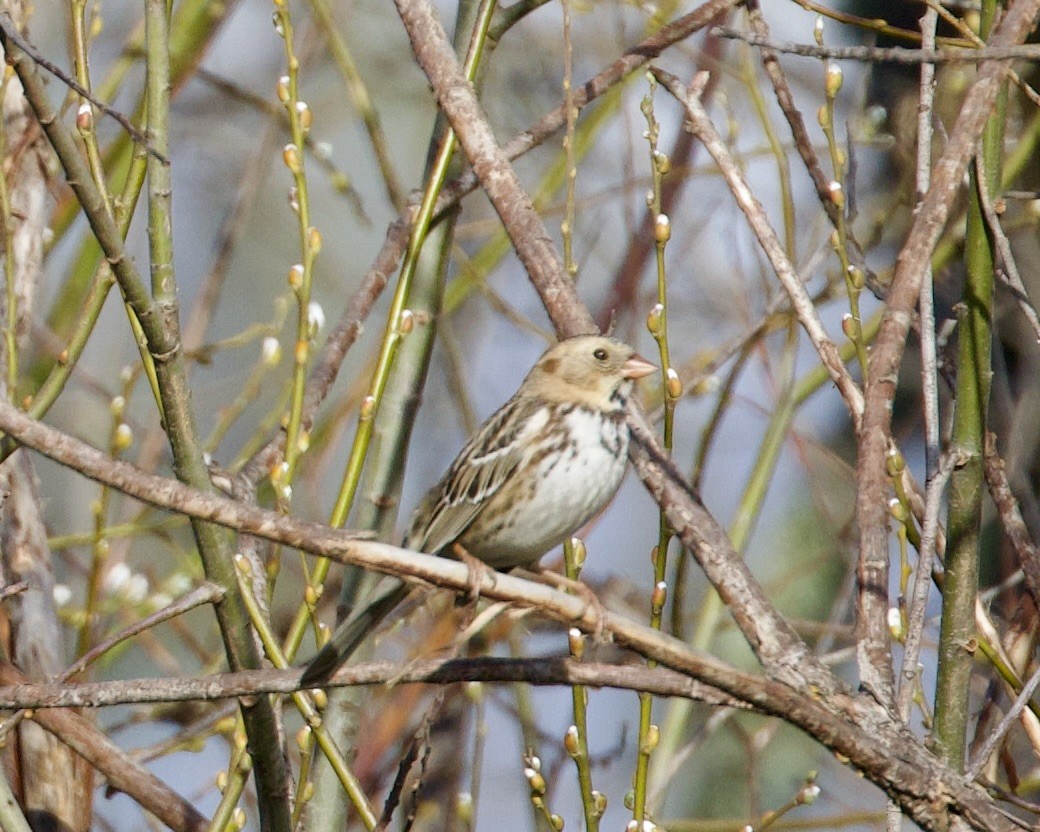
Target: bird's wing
<point>487,461</point>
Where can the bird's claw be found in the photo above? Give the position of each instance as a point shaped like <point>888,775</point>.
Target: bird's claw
<point>478,570</point>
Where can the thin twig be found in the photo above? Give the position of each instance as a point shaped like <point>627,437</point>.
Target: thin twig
<point>922,584</point>
<point>207,593</point>
<point>802,304</point>
<point>11,33</point>
<point>13,589</point>
<point>994,739</point>
<point>936,479</point>
<point>1015,527</point>
<point>892,55</point>
<point>1010,273</point>
<point>926,306</point>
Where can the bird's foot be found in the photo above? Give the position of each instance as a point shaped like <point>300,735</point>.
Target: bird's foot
<point>478,570</point>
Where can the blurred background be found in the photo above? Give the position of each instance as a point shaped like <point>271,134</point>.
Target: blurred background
<point>760,431</point>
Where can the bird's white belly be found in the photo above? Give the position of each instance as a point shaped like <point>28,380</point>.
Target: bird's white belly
<point>571,487</point>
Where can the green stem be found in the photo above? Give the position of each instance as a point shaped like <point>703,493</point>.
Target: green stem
<point>393,331</point>
<point>657,323</point>
<point>967,484</point>
<point>302,700</point>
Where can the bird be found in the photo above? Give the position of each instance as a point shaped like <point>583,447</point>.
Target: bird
<point>542,466</point>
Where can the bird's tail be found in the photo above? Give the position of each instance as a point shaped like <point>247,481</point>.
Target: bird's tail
<point>356,627</point>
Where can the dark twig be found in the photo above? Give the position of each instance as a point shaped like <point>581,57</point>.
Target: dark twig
<point>1009,271</point>
<point>10,35</point>
<point>1011,518</point>
<point>874,54</point>
<point>802,141</point>
<point>207,593</point>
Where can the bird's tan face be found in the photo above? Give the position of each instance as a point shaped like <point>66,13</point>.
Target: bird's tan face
<point>588,370</point>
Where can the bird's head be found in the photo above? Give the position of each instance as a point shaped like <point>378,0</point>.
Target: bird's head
<point>591,370</point>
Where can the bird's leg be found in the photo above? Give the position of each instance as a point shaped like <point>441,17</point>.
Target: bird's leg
<point>477,570</point>
<point>554,579</point>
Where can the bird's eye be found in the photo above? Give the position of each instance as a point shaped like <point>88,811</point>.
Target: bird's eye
<point>599,354</point>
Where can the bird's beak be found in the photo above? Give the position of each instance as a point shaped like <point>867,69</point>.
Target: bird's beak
<point>637,367</point>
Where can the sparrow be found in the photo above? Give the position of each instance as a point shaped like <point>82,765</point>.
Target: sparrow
<point>538,470</point>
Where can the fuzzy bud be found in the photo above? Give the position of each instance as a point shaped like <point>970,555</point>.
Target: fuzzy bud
<point>406,323</point>
<point>314,239</point>
<point>673,384</point>
<point>571,741</point>
<point>662,228</point>
<point>296,277</point>
<point>576,643</point>
<point>836,194</point>
<point>898,510</point>
<point>658,597</point>
<point>655,320</point>
<point>84,118</point>
<point>579,552</point>
<point>315,318</point>
<point>896,625</point>
<point>123,437</point>
<point>653,737</point>
<point>270,351</point>
<point>832,80</point>
<point>291,157</point>
<point>283,89</point>
<point>851,327</point>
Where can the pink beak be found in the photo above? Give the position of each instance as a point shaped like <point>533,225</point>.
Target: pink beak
<point>637,367</point>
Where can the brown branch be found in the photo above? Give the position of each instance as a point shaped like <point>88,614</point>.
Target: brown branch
<point>540,671</point>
